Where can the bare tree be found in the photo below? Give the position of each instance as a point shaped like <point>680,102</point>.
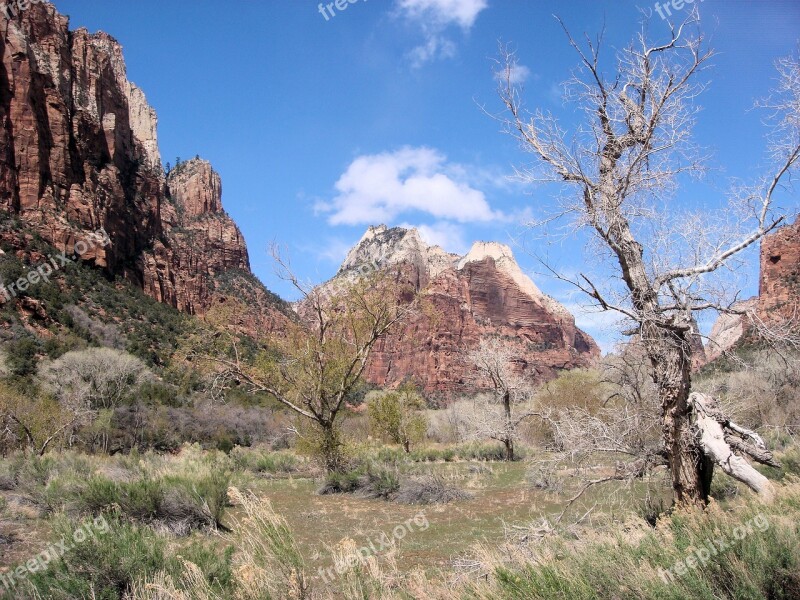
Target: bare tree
<point>314,366</point>
<point>498,418</point>
<point>89,384</point>
<point>618,172</point>
<point>96,378</point>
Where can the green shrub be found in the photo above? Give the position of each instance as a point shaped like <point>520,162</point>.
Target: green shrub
<point>369,480</point>
<point>482,451</point>
<point>21,359</point>
<point>340,483</point>
<point>99,495</point>
<point>103,567</point>
<point>216,565</point>
<point>277,462</point>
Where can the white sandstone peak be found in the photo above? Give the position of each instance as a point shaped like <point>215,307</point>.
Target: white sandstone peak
<point>381,245</point>
<point>504,260</point>
<point>484,250</point>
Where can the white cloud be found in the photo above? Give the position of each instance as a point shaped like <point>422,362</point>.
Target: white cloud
<point>447,235</point>
<point>434,17</point>
<point>377,188</point>
<point>443,12</point>
<point>434,48</point>
<point>519,74</point>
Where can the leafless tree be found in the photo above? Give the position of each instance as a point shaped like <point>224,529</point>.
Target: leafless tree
<point>622,426</point>
<point>97,378</point>
<point>498,416</point>
<point>87,382</point>
<point>619,171</point>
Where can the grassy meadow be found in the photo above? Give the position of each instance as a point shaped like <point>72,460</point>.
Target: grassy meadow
<point>253,524</point>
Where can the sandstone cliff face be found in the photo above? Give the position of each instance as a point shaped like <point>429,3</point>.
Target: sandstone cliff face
<point>778,297</point>
<point>79,151</point>
<point>71,159</point>
<point>779,285</point>
<point>727,330</point>
<point>200,241</point>
<point>466,298</point>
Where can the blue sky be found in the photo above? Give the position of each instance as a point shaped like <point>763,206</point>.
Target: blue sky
<point>320,127</point>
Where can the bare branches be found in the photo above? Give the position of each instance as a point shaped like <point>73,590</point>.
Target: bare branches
<point>619,169</point>
<point>315,364</point>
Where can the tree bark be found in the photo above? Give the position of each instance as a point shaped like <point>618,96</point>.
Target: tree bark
<point>671,358</point>
<point>509,444</point>
<point>509,439</point>
<point>331,448</point>
<point>722,448</point>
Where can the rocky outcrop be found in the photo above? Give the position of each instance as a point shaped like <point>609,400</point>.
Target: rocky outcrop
<point>779,285</point>
<point>199,243</point>
<point>728,329</point>
<point>778,300</point>
<point>79,152</point>
<point>483,294</point>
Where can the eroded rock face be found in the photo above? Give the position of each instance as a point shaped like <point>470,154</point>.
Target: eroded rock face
<point>779,286</point>
<point>465,298</point>
<point>202,241</point>
<point>79,152</point>
<point>727,330</point>
<point>778,300</point>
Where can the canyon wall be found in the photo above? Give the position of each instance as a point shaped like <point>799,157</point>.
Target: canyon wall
<point>79,152</point>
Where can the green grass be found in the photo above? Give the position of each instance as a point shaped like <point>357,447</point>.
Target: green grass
<point>765,563</point>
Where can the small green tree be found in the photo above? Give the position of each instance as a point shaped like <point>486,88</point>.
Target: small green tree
<point>21,360</point>
<point>396,416</point>
<point>317,362</point>
<point>34,422</point>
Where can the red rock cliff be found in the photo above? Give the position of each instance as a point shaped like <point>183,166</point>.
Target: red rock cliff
<point>779,285</point>
<point>778,297</point>
<point>481,294</point>
<point>79,151</point>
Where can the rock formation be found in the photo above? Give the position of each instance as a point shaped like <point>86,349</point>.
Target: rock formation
<point>79,152</point>
<point>779,285</point>
<point>727,330</point>
<point>778,300</point>
<point>481,294</point>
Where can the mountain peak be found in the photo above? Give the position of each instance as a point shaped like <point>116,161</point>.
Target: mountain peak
<point>482,250</point>
<point>381,245</point>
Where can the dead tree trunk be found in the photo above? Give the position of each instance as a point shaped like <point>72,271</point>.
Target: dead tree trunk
<point>724,442</point>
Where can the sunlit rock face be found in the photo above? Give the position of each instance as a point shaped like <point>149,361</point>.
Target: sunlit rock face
<point>79,152</point>
<point>779,285</point>
<point>778,300</point>
<point>465,298</point>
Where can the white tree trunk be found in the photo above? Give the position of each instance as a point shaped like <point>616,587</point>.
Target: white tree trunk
<point>707,419</point>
